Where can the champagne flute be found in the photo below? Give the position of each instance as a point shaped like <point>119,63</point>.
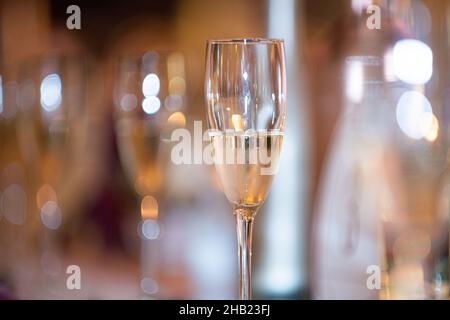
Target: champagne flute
<point>245,87</point>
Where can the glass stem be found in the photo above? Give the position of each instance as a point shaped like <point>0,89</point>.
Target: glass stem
<point>244,237</point>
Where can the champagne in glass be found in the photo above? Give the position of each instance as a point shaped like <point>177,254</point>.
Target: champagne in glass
<point>245,89</point>
<point>246,182</point>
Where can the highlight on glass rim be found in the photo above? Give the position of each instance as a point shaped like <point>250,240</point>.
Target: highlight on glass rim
<point>208,152</point>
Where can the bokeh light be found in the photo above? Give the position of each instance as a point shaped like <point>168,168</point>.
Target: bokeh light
<point>149,208</point>
<point>354,81</point>
<point>177,119</point>
<point>51,216</point>
<point>414,114</point>
<point>173,102</point>
<point>45,193</point>
<point>150,229</point>
<point>151,104</point>
<point>413,61</point>
<point>150,85</point>
<point>433,131</point>
<point>51,90</point>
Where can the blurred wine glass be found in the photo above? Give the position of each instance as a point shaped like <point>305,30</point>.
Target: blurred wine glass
<point>52,138</point>
<point>149,98</point>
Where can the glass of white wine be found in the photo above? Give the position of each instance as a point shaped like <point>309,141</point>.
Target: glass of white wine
<point>245,87</point>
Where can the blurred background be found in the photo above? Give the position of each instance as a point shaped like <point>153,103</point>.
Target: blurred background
<point>86,117</point>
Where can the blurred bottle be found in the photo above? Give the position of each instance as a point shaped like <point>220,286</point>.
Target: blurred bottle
<point>354,184</point>
<point>384,197</point>
<point>416,229</point>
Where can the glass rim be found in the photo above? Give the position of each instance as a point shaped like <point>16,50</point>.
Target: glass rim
<point>246,41</point>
